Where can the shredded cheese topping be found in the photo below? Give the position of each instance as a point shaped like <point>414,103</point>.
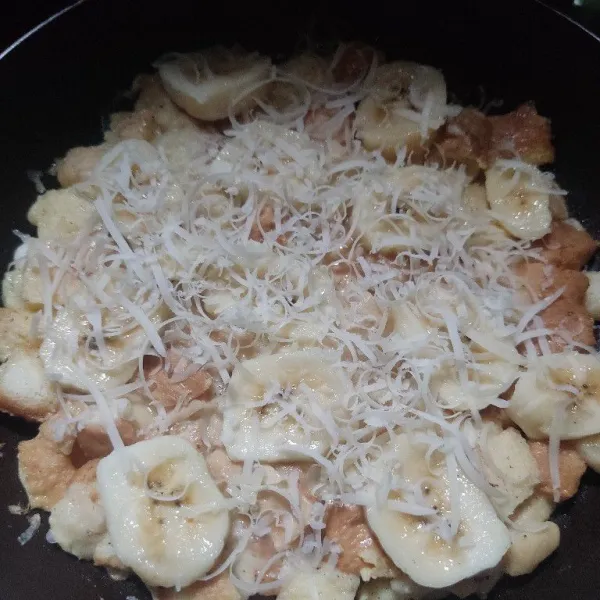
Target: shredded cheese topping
<point>283,233</point>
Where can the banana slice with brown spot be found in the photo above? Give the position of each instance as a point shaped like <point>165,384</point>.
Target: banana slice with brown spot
<point>412,542</point>
<point>519,201</point>
<point>563,386</point>
<point>406,104</point>
<point>277,406</point>
<point>165,515</point>
<point>206,84</point>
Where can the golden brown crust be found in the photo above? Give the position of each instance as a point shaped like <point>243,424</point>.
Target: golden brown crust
<point>476,140</point>
<point>169,392</point>
<point>573,318</point>
<point>464,140</point>
<point>347,526</point>
<point>94,442</point>
<point>44,471</point>
<point>571,468</point>
<point>265,222</point>
<point>524,133</point>
<point>86,473</point>
<point>567,313</point>
<point>567,247</point>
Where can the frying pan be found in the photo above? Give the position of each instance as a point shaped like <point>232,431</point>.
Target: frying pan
<point>58,84</point>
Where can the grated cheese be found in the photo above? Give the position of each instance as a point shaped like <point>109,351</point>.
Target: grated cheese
<point>281,234</point>
<point>35,521</point>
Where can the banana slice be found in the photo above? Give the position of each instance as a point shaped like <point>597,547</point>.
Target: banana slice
<point>486,382</point>
<point>388,216</point>
<point>308,68</point>
<point>278,404</point>
<point>68,350</point>
<point>516,202</point>
<point>62,353</point>
<point>563,386</point>
<point>164,513</point>
<point>417,549</point>
<point>380,127</point>
<point>311,326</point>
<point>407,103</point>
<point>439,297</point>
<point>204,85</point>
<point>415,335</point>
<point>409,322</point>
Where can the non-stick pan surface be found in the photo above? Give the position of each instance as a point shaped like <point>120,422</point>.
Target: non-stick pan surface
<point>59,83</point>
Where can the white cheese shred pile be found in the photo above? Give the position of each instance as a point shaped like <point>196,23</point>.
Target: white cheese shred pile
<point>207,249</point>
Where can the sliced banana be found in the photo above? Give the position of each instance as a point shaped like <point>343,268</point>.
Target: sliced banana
<point>311,326</point>
<point>391,217</point>
<point>486,381</point>
<point>381,128</point>
<point>218,303</point>
<point>308,68</point>
<point>409,322</point>
<point>205,84</point>
<point>563,386</point>
<point>413,544</point>
<point>278,406</point>
<point>442,297</point>
<point>592,295</point>
<point>165,515</point>
<point>70,351</point>
<point>63,355</point>
<point>406,104</point>
<point>22,287</point>
<point>517,203</point>
<point>415,335</point>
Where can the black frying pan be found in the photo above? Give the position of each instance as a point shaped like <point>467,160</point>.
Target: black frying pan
<point>58,84</point>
